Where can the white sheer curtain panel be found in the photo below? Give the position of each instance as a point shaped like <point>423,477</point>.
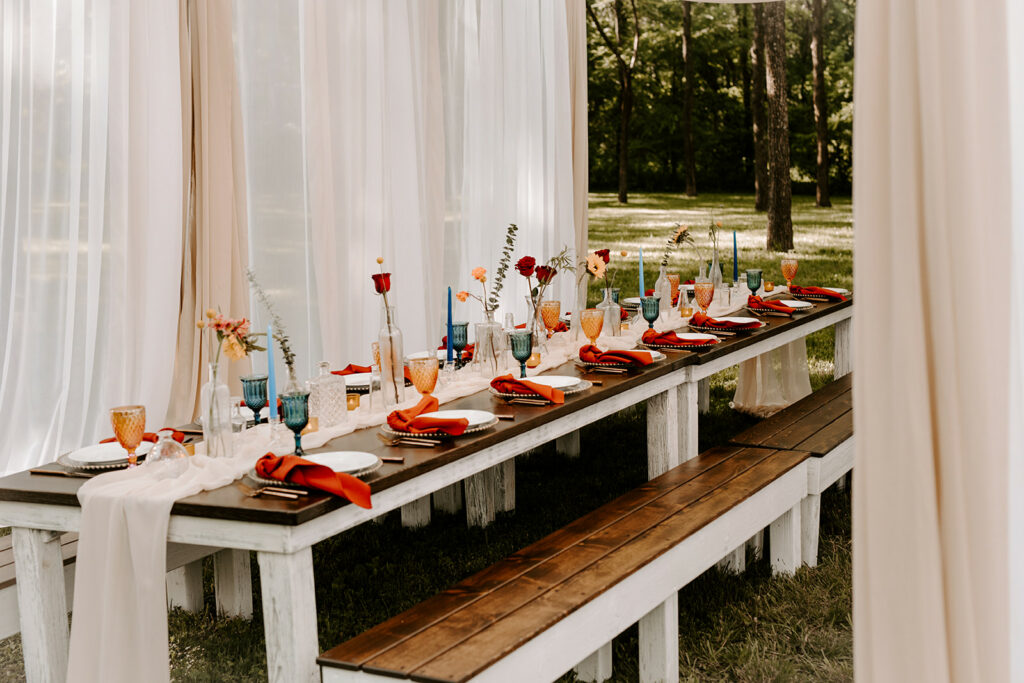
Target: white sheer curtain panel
<point>90,218</point>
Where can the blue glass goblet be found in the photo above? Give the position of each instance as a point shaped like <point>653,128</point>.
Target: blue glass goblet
<point>460,338</point>
<point>254,390</point>
<point>754,280</point>
<point>651,307</point>
<point>522,348</point>
<point>295,413</point>
<point>615,294</point>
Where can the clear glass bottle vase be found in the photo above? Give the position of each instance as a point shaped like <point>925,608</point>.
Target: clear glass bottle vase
<point>215,412</point>
<point>612,326</point>
<point>328,398</point>
<point>392,359</point>
<point>489,346</point>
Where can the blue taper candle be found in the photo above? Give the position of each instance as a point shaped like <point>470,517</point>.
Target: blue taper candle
<point>735,260</point>
<point>271,379</point>
<point>451,348</point>
<point>642,290</point>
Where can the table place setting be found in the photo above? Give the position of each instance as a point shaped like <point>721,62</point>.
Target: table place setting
<point>539,390</point>
<point>678,341</point>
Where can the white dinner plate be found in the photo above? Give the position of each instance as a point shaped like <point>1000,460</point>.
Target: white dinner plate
<point>476,417</point>
<point>631,301</point>
<point>358,379</point>
<point>795,304</point>
<point>555,381</point>
<point>101,453</point>
<point>695,336</point>
<point>344,461</point>
<point>739,320</point>
<point>838,290</point>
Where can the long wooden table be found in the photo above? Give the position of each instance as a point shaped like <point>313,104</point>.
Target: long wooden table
<point>282,532</point>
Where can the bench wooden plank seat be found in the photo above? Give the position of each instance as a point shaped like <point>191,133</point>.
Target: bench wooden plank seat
<point>548,606</point>
<point>820,424</point>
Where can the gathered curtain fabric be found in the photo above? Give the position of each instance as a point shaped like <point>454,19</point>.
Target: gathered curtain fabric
<point>90,218</point>
<point>936,360</point>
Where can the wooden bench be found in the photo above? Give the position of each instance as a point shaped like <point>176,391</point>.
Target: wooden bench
<point>822,425</point>
<point>536,614</point>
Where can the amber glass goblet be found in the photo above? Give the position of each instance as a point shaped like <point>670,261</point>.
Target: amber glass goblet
<point>592,322</point>
<point>549,313</point>
<point>705,294</point>
<point>424,374</point>
<point>789,270</point>
<point>129,423</point>
<point>673,281</point>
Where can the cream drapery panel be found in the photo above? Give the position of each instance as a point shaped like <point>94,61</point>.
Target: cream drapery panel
<point>932,388</point>
<point>214,242</point>
<point>576,27</point>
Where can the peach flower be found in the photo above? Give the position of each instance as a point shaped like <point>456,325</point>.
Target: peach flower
<point>462,296</point>
<point>480,274</point>
<point>232,348</point>
<point>596,265</point>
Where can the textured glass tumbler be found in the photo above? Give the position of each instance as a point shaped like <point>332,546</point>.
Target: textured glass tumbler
<point>650,306</point>
<point>295,413</point>
<point>522,349</point>
<point>254,391</point>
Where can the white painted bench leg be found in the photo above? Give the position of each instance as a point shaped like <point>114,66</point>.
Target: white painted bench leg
<point>785,542</point>
<point>597,667</point>
<point>232,583</point>
<point>687,420</point>
<point>449,499</point>
<point>756,543</point>
<point>185,587</point>
<point>659,643</point>
<point>417,513</point>
<point>704,394</point>
<point>42,603</point>
<point>568,445</point>
<point>480,493</point>
<point>671,428</point>
<point>735,562</point>
<point>289,616</point>
<point>844,348</point>
<point>810,513</point>
<point>505,486</point>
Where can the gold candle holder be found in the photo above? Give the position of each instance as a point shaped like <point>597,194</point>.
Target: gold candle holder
<point>353,401</point>
<point>534,360</point>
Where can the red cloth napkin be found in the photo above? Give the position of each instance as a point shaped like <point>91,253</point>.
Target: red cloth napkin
<point>561,327</point>
<point>353,369</point>
<point>797,290</point>
<point>151,436</point>
<point>701,320</point>
<point>758,302</point>
<point>507,384</point>
<point>467,353</point>
<point>302,472</point>
<point>671,339</point>
<point>409,421</point>
<point>592,354</point>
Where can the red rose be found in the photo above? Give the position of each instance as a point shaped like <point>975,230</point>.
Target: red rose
<point>382,282</point>
<point>545,274</point>
<point>525,266</point>
<point>605,255</point>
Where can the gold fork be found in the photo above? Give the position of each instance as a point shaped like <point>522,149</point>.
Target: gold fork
<point>289,494</point>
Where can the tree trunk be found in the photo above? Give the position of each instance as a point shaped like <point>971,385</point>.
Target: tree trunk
<point>820,103</point>
<point>757,112</point>
<point>780,195</point>
<point>688,155</point>
<point>625,103</point>
<point>743,25</point>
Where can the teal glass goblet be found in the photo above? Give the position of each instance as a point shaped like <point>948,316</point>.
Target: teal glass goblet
<point>295,413</point>
<point>615,294</point>
<point>754,280</point>
<point>522,348</point>
<point>651,308</point>
<point>254,391</point>
<point>460,339</point>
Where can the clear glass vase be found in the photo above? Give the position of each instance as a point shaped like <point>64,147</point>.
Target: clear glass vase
<point>215,411</point>
<point>663,288</point>
<point>392,359</point>
<point>716,271</point>
<point>612,326</point>
<point>328,396</point>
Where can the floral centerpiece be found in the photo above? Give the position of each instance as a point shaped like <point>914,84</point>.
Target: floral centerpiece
<point>392,358</point>
<point>597,265</point>
<point>490,301</point>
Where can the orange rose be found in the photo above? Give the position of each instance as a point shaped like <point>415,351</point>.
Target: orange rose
<point>462,296</point>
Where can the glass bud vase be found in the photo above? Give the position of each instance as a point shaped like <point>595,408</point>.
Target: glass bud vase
<point>392,359</point>
<point>489,348</point>
<point>215,411</point>
<point>612,326</point>
<point>328,398</point>
<point>663,288</point>
<point>716,271</point>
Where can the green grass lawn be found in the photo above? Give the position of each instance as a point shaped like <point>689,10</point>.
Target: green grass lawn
<point>750,627</point>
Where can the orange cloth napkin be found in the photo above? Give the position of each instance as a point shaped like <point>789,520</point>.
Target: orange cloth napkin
<point>592,354</point>
<point>560,327</point>
<point>758,302</point>
<point>151,436</point>
<point>507,384</point>
<point>797,290</point>
<point>671,339</point>
<point>353,369</point>
<point>701,320</point>
<point>409,421</point>
<point>302,472</point>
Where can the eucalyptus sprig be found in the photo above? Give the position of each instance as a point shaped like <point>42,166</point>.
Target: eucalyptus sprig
<point>279,334</point>
<point>503,264</point>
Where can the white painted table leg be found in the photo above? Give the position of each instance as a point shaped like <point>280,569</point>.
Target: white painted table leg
<point>42,603</point>
<point>659,643</point>
<point>810,513</point>
<point>480,493</point>
<point>844,348</point>
<point>289,616</point>
<point>185,587</point>
<point>704,394</point>
<point>735,562</point>
<point>687,420</point>
<point>505,486</point>
<point>417,513</point>
<point>597,667</point>
<point>785,541</point>
<point>232,583</point>
<point>449,499</point>
<point>666,430</point>
<point>756,543</point>
<point>568,445</point>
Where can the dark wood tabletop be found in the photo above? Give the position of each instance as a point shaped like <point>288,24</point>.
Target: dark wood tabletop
<point>230,503</point>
